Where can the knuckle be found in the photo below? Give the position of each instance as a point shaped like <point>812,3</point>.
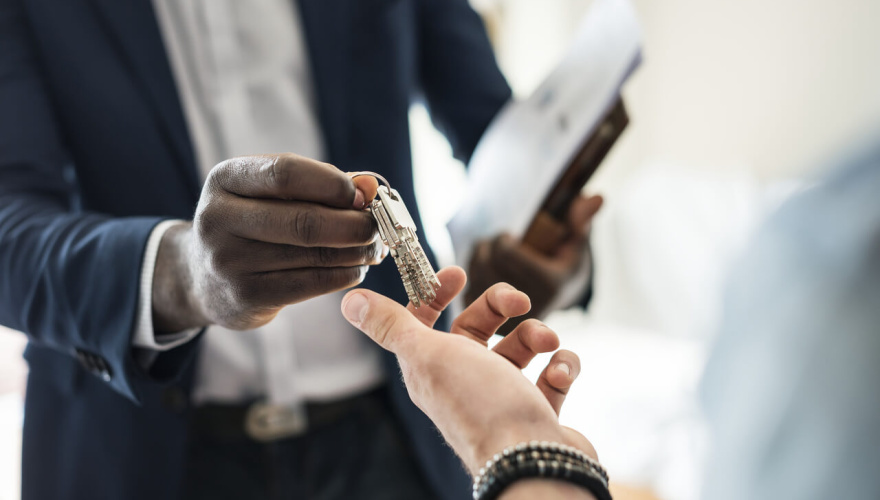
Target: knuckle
<point>220,261</point>
<point>535,325</point>
<point>384,327</point>
<point>218,174</point>
<point>278,171</point>
<point>324,256</point>
<point>338,277</point>
<point>296,256</point>
<point>371,254</point>
<point>247,293</point>
<point>208,221</point>
<point>342,186</point>
<point>307,226</point>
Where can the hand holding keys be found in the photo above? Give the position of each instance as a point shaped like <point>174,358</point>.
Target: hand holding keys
<point>398,232</point>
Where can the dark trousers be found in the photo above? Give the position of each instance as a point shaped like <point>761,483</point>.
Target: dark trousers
<point>360,453</point>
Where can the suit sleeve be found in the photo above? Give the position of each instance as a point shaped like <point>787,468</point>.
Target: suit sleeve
<point>69,277</point>
<point>460,78</point>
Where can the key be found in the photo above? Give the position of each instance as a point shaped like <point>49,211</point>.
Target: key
<point>398,230</point>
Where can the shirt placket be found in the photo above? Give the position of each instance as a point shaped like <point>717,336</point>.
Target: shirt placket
<point>236,122</point>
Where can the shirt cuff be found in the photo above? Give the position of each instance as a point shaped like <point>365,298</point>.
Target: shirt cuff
<point>144,336</point>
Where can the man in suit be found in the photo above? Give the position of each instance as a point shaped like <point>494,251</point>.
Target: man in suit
<point>121,244</point>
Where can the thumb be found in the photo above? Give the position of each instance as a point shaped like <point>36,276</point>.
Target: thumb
<point>367,184</point>
<point>385,321</point>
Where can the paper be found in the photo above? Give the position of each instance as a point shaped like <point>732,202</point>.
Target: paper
<point>529,144</point>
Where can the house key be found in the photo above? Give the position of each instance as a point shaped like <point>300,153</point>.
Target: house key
<point>398,232</point>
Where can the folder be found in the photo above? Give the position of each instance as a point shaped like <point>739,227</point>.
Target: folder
<point>538,152</point>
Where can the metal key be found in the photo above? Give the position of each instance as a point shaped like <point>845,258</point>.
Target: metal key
<point>398,231</point>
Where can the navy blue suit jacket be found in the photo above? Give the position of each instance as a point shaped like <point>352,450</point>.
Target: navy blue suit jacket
<point>94,153</point>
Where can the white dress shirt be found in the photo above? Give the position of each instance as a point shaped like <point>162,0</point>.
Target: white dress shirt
<point>244,81</point>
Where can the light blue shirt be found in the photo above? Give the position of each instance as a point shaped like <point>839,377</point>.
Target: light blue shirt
<point>792,390</point>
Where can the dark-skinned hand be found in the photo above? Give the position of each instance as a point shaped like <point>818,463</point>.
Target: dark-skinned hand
<point>540,276</point>
<point>268,231</point>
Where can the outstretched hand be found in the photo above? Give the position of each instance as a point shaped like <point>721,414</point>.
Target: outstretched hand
<point>478,398</point>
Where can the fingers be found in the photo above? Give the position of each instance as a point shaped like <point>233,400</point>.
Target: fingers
<point>527,340</point>
<point>280,288</point>
<point>290,223</point>
<point>385,321</point>
<point>526,265</point>
<point>489,311</point>
<point>258,257</point>
<point>511,253</point>
<point>535,273</point>
<point>581,213</point>
<point>481,272</point>
<point>452,280</point>
<point>557,377</point>
<point>285,177</point>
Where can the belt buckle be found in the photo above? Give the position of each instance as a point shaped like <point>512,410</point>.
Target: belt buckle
<point>266,422</point>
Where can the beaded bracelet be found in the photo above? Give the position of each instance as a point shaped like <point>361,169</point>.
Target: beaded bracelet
<point>540,460</point>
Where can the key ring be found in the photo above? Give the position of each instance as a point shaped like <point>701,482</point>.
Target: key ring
<point>374,174</point>
<point>398,232</point>
<point>377,176</point>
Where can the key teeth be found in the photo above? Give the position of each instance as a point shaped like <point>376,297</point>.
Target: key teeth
<point>398,232</point>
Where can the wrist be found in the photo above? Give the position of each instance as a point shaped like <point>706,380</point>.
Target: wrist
<point>556,467</point>
<point>528,489</point>
<point>175,305</point>
<point>494,442</point>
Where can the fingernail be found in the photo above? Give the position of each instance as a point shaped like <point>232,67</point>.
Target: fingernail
<point>355,308</point>
<point>359,199</point>
<point>564,368</point>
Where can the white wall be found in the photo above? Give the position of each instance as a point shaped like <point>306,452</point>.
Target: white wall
<point>770,86</point>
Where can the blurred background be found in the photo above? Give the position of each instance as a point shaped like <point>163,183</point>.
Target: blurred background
<point>735,106</point>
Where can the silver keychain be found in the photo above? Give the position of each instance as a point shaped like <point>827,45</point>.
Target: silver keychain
<point>398,231</point>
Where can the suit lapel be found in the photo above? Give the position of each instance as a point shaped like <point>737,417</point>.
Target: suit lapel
<point>327,25</point>
<point>133,24</point>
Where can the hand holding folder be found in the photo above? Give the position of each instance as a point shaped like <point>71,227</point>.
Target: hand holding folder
<point>548,228</point>
<point>538,153</point>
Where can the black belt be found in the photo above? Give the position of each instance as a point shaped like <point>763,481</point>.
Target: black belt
<point>261,421</point>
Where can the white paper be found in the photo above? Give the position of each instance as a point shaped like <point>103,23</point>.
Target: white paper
<point>528,145</point>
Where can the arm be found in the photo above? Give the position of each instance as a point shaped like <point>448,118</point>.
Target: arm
<point>477,398</point>
<point>268,231</point>
<point>460,78</point>
<point>54,259</point>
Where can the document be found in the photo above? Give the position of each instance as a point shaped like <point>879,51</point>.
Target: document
<point>529,144</point>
